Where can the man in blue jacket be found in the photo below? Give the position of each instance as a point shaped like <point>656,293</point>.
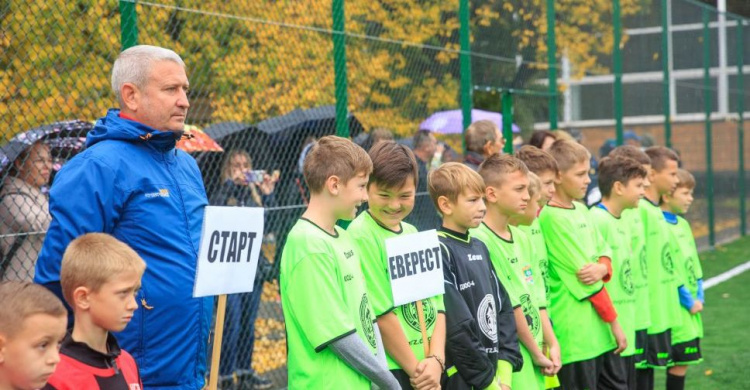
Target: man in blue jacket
<point>132,183</point>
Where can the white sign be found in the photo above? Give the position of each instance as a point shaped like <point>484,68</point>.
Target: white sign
<point>230,247</point>
<point>415,267</point>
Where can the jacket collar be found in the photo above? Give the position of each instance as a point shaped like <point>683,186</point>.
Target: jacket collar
<point>85,354</point>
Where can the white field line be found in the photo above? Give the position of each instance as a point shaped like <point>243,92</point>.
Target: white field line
<point>723,277</point>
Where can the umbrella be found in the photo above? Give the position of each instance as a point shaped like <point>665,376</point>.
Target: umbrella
<point>318,121</point>
<point>197,141</point>
<point>451,122</point>
<point>65,139</point>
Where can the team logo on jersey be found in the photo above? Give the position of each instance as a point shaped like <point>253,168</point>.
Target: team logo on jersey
<point>690,268</point>
<point>365,316</point>
<point>532,316</point>
<point>528,274</point>
<point>412,318</point>
<point>666,260</point>
<point>626,277</point>
<point>487,317</point>
<point>644,263</point>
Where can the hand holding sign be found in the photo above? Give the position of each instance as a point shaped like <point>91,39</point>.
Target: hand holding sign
<point>416,271</point>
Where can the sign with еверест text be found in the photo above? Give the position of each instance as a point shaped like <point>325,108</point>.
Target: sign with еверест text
<point>229,251</point>
<point>415,267</point>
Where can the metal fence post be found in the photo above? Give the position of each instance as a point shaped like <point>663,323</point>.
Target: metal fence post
<point>507,103</point>
<point>665,71</point>
<point>741,124</point>
<point>339,68</point>
<point>466,87</point>
<point>552,64</point>
<point>617,65</point>
<point>128,24</point>
<point>707,103</point>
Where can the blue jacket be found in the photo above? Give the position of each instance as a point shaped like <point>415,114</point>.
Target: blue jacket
<point>150,196</point>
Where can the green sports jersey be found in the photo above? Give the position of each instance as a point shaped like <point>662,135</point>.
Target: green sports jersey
<point>539,261</point>
<point>323,297</point>
<point>370,238</point>
<point>662,279</point>
<point>572,242</point>
<point>639,267</point>
<point>512,264</point>
<point>687,264</point>
<point>621,289</point>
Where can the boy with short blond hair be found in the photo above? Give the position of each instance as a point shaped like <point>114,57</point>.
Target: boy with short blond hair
<point>391,191</point>
<point>585,320</point>
<point>621,183</point>
<point>32,325</point>
<point>507,196</point>
<point>332,335</point>
<point>100,277</point>
<point>638,240</point>
<point>686,336</point>
<point>482,347</point>
<point>662,281</point>
<point>544,166</point>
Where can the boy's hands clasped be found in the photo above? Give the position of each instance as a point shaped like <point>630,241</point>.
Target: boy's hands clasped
<point>427,374</point>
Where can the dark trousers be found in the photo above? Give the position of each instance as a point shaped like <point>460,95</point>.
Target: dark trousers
<point>239,330</point>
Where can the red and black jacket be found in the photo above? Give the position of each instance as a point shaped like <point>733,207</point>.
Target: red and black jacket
<point>82,368</point>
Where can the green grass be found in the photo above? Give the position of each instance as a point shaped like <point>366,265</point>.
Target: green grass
<point>725,343</point>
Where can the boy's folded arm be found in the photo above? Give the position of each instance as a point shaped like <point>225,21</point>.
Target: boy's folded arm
<point>686,299</point>
<point>603,305</point>
<point>607,262</point>
<point>352,350</point>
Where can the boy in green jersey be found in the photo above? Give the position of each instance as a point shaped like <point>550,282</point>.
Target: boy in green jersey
<point>481,343</point>
<point>544,167</point>
<point>390,194</point>
<point>638,239</point>
<point>621,185</point>
<point>662,281</point>
<point>585,320</point>
<point>686,337</point>
<point>506,179</point>
<point>332,337</point>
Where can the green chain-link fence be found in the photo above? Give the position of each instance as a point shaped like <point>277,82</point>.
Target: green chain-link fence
<point>268,77</point>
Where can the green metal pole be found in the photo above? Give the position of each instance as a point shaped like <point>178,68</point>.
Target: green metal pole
<point>466,87</point>
<point>707,102</point>
<point>507,103</point>
<point>552,64</point>
<point>128,24</point>
<point>339,68</point>
<point>617,65</point>
<point>665,73</point>
<point>741,125</point>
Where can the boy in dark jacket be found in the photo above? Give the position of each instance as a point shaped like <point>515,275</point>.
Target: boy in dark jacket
<point>481,343</point>
<point>100,277</point>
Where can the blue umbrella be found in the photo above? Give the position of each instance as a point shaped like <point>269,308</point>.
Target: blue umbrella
<point>451,122</point>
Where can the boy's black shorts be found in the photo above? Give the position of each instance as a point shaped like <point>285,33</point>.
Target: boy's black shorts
<point>641,345</point>
<point>659,350</point>
<point>688,352</point>
<point>403,379</point>
<point>605,371</point>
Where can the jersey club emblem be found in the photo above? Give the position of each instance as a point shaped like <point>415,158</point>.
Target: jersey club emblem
<point>487,317</point>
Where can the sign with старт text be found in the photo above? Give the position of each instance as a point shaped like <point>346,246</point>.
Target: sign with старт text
<point>229,251</point>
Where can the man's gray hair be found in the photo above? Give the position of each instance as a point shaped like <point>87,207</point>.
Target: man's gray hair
<point>134,64</point>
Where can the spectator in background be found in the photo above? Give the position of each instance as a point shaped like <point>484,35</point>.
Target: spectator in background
<point>24,209</point>
<point>542,139</point>
<point>243,187</point>
<point>424,216</point>
<point>483,139</point>
<point>376,135</point>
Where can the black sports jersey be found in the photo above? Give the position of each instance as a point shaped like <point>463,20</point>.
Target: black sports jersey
<point>480,325</point>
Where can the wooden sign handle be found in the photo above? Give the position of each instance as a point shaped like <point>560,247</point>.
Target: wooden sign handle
<point>213,379</point>
<point>423,328</point>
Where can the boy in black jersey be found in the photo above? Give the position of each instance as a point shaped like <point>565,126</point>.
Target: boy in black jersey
<point>481,343</point>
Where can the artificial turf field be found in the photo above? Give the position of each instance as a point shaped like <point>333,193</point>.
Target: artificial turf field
<point>726,319</point>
